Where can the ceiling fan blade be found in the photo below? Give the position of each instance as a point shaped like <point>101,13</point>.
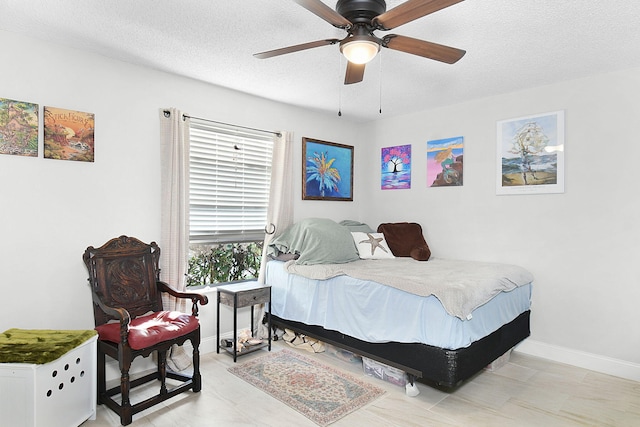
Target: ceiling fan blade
<point>325,12</point>
<point>409,11</point>
<point>423,48</point>
<point>355,73</point>
<point>296,48</point>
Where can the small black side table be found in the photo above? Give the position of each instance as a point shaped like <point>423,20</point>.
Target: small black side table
<point>240,295</point>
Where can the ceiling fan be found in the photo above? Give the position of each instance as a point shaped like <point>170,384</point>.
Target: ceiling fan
<point>360,18</point>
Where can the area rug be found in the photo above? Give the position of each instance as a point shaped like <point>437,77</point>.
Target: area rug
<point>319,392</point>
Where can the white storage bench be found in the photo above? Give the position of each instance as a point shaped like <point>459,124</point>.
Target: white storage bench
<point>60,393</point>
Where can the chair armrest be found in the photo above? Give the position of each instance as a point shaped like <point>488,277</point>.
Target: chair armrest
<point>119,313</point>
<point>193,296</point>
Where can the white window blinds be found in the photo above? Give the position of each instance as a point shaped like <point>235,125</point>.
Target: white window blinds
<point>229,179</point>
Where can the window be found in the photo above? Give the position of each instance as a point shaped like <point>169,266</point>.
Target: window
<point>229,179</point>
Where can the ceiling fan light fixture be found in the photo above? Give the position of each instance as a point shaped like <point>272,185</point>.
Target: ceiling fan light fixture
<point>359,50</point>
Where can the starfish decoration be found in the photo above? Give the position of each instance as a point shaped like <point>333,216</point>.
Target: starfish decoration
<point>375,243</point>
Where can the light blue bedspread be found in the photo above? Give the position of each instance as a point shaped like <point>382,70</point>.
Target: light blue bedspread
<point>374,312</point>
<point>461,286</point>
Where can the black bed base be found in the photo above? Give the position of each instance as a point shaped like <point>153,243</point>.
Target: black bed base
<point>435,366</point>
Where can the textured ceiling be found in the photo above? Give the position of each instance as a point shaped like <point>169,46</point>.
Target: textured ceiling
<point>510,44</point>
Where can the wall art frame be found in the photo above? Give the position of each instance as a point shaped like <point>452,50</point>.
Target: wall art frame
<point>68,134</point>
<point>530,154</point>
<point>445,162</point>
<point>395,167</point>
<point>19,128</point>
<point>327,170</point>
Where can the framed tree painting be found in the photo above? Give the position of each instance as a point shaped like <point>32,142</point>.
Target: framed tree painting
<point>327,170</point>
<point>531,154</point>
<point>395,168</point>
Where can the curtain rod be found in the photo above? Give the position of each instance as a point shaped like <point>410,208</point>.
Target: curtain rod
<point>278,134</point>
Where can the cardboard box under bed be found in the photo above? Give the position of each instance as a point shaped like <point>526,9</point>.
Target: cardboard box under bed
<point>60,392</point>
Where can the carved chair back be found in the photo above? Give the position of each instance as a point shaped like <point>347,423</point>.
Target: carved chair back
<point>123,272</point>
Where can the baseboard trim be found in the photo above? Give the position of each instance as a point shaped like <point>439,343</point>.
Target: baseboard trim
<point>209,344</point>
<point>593,362</point>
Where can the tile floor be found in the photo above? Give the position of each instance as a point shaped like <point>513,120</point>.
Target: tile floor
<point>527,391</point>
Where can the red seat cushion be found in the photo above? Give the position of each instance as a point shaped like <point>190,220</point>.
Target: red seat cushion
<point>146,331</point>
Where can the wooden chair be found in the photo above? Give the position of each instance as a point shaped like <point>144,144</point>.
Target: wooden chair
<point>125,283</point>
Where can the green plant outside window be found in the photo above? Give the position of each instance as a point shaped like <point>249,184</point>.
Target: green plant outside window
<point>222,263</point>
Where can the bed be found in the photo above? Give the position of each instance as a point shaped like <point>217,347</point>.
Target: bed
<point>381,294</point>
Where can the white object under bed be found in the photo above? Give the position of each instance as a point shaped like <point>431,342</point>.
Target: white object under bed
<point>374,312</point>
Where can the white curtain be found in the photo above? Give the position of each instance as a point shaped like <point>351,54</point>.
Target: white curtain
<point>280,210</point>
<point>174,214</point>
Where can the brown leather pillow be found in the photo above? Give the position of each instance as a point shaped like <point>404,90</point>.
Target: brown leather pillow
<point>405,239</point>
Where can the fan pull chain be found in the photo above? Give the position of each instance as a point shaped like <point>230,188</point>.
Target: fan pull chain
<point>339,86</point>
<point>380,110</point>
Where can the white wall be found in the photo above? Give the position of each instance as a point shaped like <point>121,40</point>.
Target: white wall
<point>582,246</point>
<point>51,210</point>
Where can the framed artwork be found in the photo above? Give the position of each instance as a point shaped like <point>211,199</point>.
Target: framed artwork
<point>327,170</point>
<point>445,162</point>
<point>18,128</point>
<point>531,154</point>
<point>68,134</point>
<point>395,167</point>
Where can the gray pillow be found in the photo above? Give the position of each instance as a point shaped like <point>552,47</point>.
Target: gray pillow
<point>357,226</point>
<point>318,241</point>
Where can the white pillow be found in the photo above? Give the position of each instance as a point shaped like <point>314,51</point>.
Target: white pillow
<point>371,245</point>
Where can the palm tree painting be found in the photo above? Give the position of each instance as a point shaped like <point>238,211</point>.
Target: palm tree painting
<point>328,170</point>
